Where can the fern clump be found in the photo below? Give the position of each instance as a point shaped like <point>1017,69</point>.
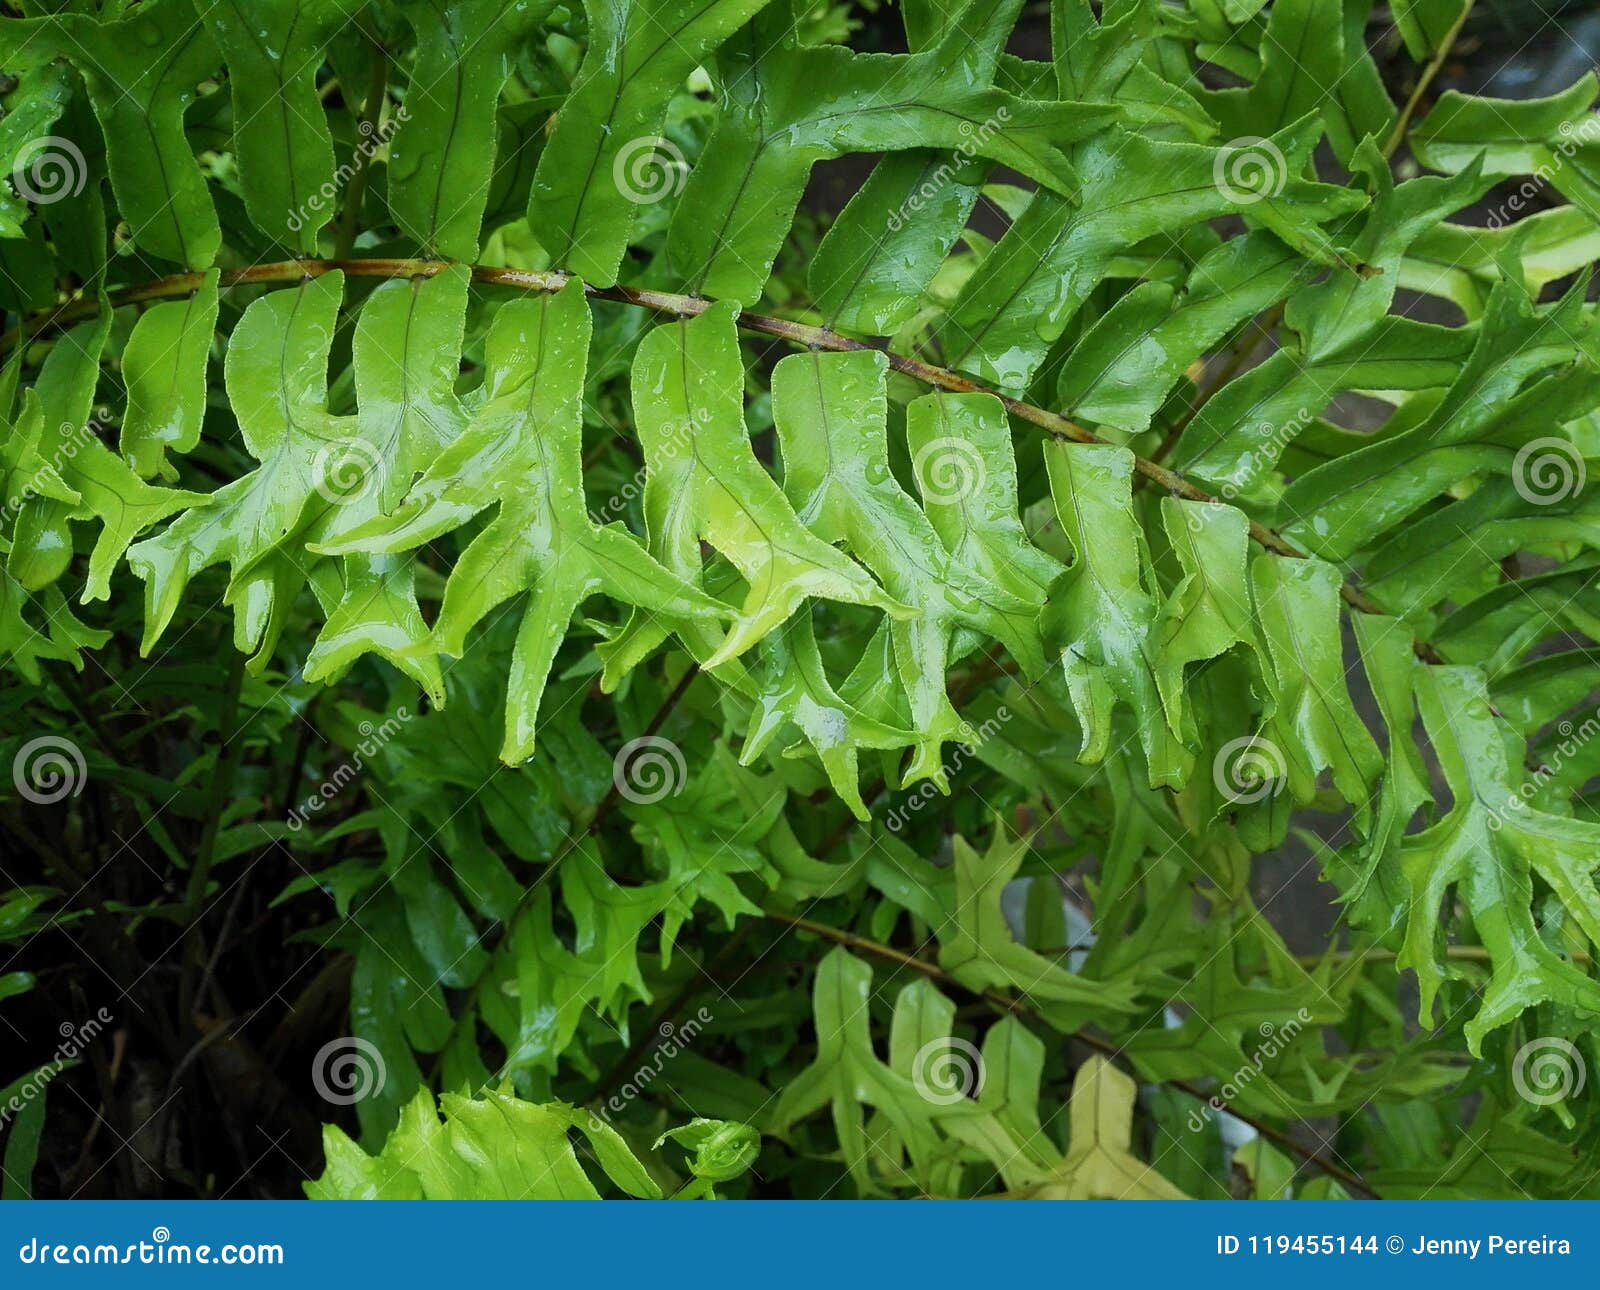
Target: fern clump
<point>519,627</point>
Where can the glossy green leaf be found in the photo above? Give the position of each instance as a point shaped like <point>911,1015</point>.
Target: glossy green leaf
<point>164,365</point>
<point>1210,610</point>
<point>442,159</point>
<point>606,156</point>
<point>1125,366</point>
<point>872,269</point>
<point>1552,138</point>
<point>26,1128</point>
<point>140,104</point>
<point>277,375</point>
<point>1488,848</point>
<point>1101,613</point>
<point>32,106</point>
<point>787,107</point>
<point>490,1147</point>
<point>1424,23</point>
<point>1345,504</point>
<point>831,412</point>
<point>108,491</point>
<point>281,141</point>
<point>1350,340</point>
<point>847,1074</point>
<point>1313,721</point>
<point>794,689</point>
<point>522,452</point>
<point>1028,289</point>
<point>977,947</point>
<point>1099,1163</point>
<point>965,470</point>
<point>704,483</point>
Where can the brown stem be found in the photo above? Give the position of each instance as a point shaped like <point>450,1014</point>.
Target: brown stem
<point>1230,368</point>
<point>664,302</point>
<point>1402,124</point>
<point>1015,1007</point>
